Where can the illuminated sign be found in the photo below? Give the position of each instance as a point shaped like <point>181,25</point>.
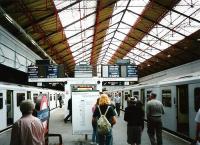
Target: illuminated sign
<point>113,71</point>
<point>33,71</point>
<point>131,71</point>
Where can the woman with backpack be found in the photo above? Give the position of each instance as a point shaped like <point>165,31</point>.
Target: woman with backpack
<point>104,123</point>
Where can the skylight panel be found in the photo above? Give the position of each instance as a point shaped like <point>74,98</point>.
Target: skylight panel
<point>124,28</point>
<point>112,28</point>
<point>111,50</point>
<point>120,36</point>
<point>109,36</point>
<point>78,31</point>
<point>182,26</point>
<point>187,5</point>
<point>127,17</point>
<point>114,47</point>
<point>116,18</point>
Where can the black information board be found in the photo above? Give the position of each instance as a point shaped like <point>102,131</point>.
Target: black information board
<point>113,71</point>
<point>52,71</point>
<point>131,71</point>
<point>33,71</point>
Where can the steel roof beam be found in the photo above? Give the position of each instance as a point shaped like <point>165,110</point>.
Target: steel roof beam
<point>146,44</point>
<point>143,51</point>
<point>124,11</point>
<point>49,35</point>
<point>173,10</point>
<point>86,38</point>
<point>88,28</point>
<point>160,39</point>
<point>108,14</point>
<point>154,22</point>
<point>50,15</point>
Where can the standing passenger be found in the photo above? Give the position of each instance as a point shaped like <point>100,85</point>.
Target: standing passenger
<point>154,110</point>
<point>117,100</point>
<point>28,130</point>
<point>104,103</point>
<point>94,124</point>
<point>134,115</point>
<point>60,100</point>
<point>69,107</point>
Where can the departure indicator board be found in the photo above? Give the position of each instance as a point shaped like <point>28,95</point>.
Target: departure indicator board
<point>52,71</point>
<point>113,71</point>
<point>119,71</point>
<point>33,71</point>
<point>131,71</point>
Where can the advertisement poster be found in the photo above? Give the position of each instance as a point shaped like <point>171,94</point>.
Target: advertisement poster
<point>82,103</point>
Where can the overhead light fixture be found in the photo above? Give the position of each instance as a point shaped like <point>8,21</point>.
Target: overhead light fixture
<point>148,65</point>
<point>168,55</point>
<point>198,39</point>
<point>9,18</point>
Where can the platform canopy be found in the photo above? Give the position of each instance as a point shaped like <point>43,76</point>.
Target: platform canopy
<point>153,34</point>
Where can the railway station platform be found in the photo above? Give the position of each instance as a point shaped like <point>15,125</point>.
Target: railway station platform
<point>58,126</point>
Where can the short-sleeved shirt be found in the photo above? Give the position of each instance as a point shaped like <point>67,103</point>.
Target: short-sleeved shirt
<point>28,131</point>
<point>197,118</point>
<point>110,113</point>
<point>117,99</point>
<point>154,108</point>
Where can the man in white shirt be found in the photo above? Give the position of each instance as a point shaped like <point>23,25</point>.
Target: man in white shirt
<point>117,100</point>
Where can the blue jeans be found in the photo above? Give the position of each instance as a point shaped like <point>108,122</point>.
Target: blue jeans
<point>95,135</point>
<point>106,139</point>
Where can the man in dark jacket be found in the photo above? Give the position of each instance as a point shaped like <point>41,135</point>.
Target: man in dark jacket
<point>134,115</point>
<point>69,107</point>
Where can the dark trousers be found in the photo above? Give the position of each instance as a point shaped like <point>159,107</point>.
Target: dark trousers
<point>60,102</point>
<point>154,127</point>
<point>105,139</point>
<point>117,105</point>
<point>69,115</point>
